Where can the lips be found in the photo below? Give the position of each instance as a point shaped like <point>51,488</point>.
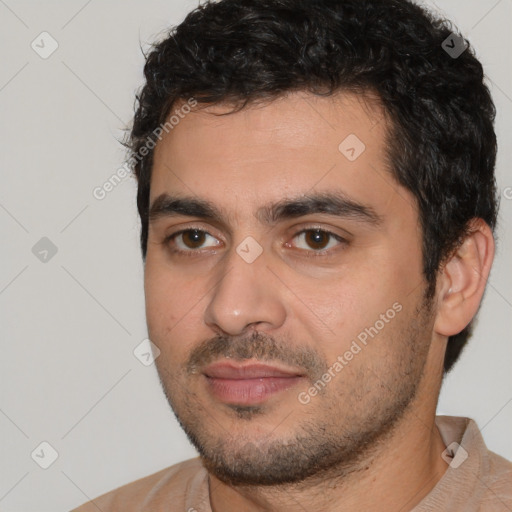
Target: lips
<point>249,371</point>
<point>248,384</point>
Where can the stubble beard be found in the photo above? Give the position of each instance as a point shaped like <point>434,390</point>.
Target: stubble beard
<point>333,444</point>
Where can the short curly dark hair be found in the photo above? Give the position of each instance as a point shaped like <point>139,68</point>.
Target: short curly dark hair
<point>442,145</point>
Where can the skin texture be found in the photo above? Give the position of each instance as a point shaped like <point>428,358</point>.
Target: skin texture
<point>372,424</point>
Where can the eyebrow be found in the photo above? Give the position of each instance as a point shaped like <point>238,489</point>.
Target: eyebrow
<point>330,203</point>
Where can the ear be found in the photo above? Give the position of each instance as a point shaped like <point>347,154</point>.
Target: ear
<point>461,284</point>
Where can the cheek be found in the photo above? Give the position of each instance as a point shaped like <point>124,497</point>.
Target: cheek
<point>365,304</point>
<point>172,308</point>
<point>169,293</point>
<point>161,302</point>
<point>351,298</point>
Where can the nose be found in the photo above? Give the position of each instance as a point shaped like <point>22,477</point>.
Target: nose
<point>246,294</point>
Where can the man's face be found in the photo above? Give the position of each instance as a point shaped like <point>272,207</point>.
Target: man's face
<point>291,337</point>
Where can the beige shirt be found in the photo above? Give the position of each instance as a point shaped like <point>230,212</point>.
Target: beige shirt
<point>477,480</point>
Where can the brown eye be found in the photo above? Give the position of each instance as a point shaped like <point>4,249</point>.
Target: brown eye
<point>193,238</point>
<point>317,240</point>
<point>189,241</point>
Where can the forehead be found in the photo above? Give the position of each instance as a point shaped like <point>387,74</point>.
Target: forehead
<point>266,151</point>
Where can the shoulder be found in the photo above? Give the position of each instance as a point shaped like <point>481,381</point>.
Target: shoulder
<point>481,480</point>
<point>181,482</point>
<point>498,481</point>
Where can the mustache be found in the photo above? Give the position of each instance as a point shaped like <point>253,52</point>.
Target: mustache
<point>256,345</point>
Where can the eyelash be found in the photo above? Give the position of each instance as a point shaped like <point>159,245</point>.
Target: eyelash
<point>312,253</point>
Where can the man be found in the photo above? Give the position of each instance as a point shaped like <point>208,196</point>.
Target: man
<point>317,198</point>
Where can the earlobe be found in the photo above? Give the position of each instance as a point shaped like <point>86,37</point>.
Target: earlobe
<point>462,282</point>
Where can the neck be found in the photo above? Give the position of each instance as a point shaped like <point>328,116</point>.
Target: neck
<point>398,473</point>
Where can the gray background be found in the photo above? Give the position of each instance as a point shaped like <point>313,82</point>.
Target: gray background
<point>69,325</point>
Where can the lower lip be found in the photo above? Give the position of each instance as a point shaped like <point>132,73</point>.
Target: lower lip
<point>249,391</point>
